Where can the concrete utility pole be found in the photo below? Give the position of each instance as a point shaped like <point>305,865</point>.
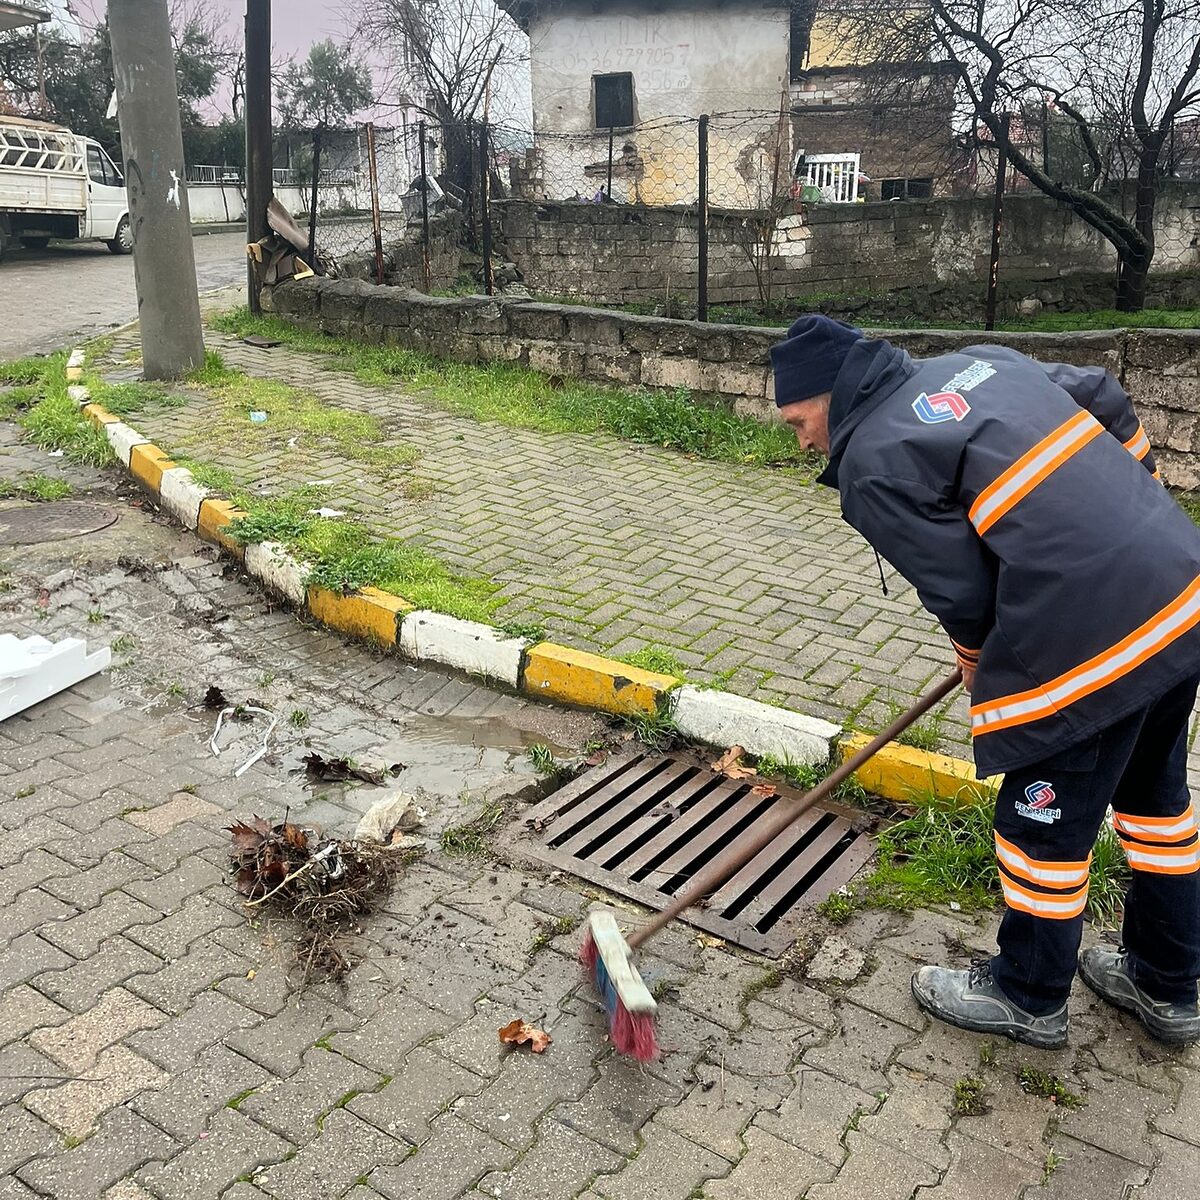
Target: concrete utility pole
<point>152,146</point>
<point>259,150</point>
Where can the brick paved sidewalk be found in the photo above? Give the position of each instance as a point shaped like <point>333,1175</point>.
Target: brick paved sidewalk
<point>151,1046</point>
<point>615,546</point>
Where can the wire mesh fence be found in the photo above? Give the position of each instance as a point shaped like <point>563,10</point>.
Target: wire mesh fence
<point>724,206</point>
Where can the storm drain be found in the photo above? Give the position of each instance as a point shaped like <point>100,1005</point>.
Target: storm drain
<point>643,826</point>
<point>29,524</point>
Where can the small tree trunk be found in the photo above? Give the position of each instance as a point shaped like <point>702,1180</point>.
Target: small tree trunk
<point>312,208</point>
<point>1135,267</point>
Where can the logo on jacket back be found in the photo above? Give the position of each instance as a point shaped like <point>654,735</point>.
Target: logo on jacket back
<point>941,406</point>
<point>1039,796</point>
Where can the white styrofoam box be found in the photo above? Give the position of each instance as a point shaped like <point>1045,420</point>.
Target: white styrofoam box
<point>182,496</point>
<point>122,438</point>
<point>272,565</point>
<point>33,669</point>
<point>723,719</point>
<point>463,645</point>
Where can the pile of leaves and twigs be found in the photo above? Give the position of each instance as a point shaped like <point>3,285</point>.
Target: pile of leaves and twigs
<point>322,883</point>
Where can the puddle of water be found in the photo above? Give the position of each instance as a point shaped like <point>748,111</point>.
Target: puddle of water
<point>484,733</point>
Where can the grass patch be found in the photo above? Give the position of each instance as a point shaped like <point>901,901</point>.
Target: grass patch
<point>988,1055</point>
<point>31,370</point>
<point>121,644</point>
<point>923,735</point>
<point>837,908</point>
<point>471,839</point>
<point>944,852</point>
<point>35,487</point>
<point>49,417</point>
<point>344,556</point>
<point>656,659</point>
<point>969,1094</point>
<point>14,400</point>
<point>524,399</point>
<point>524,629</point>
<point>542,758</point>
<point>295,419</point>
<point>1036,1082</point>
<point>657,731</point>
<point>805,776</point>
<point>549,930</point>
<point>124,399</point>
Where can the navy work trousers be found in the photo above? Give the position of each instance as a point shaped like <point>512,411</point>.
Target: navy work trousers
<point>1047,820</point>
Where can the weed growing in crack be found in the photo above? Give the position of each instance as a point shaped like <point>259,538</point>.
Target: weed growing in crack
<point>122,644</point>
<point>658,660</point>
<point>542,758</point>
<point>988,1055</point>
<point>298,718</point>
<point>470,840</point>
<point>838,907</point>
<point>657,731</point>
<point>1036,1082</point>
<point>37,487</point>
<point>549,930</point>
<point>970,1097</point>
<point>1052,1162</point>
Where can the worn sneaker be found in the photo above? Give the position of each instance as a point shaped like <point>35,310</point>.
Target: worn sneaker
<point>1107,973</point>
<point>973,1000</point>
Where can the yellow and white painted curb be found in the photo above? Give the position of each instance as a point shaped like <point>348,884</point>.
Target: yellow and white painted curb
<point>543,670</point>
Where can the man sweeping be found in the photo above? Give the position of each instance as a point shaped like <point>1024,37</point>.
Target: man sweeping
<point>1022,502</point>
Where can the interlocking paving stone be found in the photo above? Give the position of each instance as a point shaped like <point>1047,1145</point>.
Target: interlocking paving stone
<point>23,1136</point>
<point>220,1078</point>
<point>668,1168</point>
<point>914,1117</point>
<point>117,1074</point>
<point>454,1157</point>
<point>1115,1117</point>
<point>981,1172</point>
<point>1077,1170</point>
<point>860,1048</point>
<point>81,984</point>
<point>615,1108</point>
<point>235,1147</point>
<point>424,1086</point>
<point>23,1010</point>
<point>878,1170</point>
<point>123,1143</point>
<point>76,1043</point>
<point>560,1163</point>
<point>771,1169</point>
<point>815,1115</point>
<point>178,1043</point>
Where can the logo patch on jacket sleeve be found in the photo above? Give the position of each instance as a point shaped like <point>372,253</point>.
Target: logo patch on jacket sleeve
<point>1038,798</point>
<point>941,406</point>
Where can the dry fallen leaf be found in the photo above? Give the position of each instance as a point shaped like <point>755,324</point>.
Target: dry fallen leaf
<point>731,766</point>
<point>765,790</point>
<point>517,1033</point>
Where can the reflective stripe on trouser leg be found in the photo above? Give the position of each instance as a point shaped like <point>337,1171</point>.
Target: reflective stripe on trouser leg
<point>1160,845</point>
<point>1051,889</point>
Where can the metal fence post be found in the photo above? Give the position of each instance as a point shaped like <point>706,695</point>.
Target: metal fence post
<point>485,212</point>
<point>997,221</point>
<point>702,225</point>
<point>608,188</point>
<point>376,223</point>
<point>424,209</point>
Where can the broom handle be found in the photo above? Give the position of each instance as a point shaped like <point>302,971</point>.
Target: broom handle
<point>733,860</point>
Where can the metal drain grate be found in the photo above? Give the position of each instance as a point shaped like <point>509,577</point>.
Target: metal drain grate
<point>28,525</point>
<point>643,826</point>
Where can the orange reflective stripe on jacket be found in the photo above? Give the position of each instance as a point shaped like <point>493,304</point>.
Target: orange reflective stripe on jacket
<point>1152,636</point>
<point>1139,444</point>
<point>1001,496</point>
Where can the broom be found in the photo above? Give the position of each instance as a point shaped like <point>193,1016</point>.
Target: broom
<point>607,955</point>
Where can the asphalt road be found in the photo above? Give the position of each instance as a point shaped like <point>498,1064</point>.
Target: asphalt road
<point>49,297</point>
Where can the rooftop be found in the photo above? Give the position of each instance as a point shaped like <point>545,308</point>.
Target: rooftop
<point>17,16</point>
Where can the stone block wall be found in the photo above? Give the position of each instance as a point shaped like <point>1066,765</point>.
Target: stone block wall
<point>617,254</point>
<point>403,259</point>
<point>1159,367</point>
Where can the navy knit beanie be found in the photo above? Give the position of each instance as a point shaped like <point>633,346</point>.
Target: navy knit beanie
<point>808,360</point>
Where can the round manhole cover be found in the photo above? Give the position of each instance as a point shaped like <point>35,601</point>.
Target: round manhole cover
<point>50,522</point>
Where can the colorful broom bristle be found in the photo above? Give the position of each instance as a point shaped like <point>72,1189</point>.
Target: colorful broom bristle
<point>632,1033</point>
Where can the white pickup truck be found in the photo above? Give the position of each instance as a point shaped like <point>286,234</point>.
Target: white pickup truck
<point>54,184</point>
